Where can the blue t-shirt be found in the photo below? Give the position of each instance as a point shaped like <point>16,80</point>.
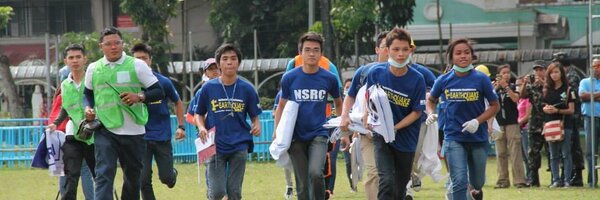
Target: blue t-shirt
<point>158,127</point>
<point>360,79</point>
<point>586,106</point>
<point>310,92</point>
<point>465,100</point>
<point>405,94</point>
<point>427,74</point>
<point>232,131</point>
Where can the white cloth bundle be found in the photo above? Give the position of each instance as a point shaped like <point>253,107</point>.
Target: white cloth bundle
<point>284,131</point>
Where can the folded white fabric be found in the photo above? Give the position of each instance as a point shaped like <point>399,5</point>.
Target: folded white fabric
<point>54,141</point>
<point>284,131</point>
<point>380,118</point>
<point>356,161</point>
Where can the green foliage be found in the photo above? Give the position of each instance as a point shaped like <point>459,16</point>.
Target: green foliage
<point>278,24</point>
<point>395,13</point>
<point>5,13</point>
<point>91,43</point>
<point>152,16</point>
<point>266,103</point>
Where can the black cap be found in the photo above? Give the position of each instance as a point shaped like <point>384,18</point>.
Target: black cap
<point>559,56</point>
<point>539,63</point>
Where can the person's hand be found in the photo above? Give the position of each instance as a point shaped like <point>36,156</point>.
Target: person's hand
<point>345,123</point>
<point>345,142</point>
<point>90,114</point>
<point>430,119</point>
<point>550,109</point>
<point>202,134</point>
<point>255,128</point>
<point>51,127</point>
<point>179,134</point>
<point>538,80</point>
<point>130,98</point>
<point>365,120</point>
<point>471,126</point>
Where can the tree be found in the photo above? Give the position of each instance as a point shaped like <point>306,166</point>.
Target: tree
<point>10,88</point>
<point>278,24</point>
<point>395,13</point>
<point>153,17</point>
<point>354,21</point>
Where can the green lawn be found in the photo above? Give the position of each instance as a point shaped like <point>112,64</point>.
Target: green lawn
<point>265,181</point>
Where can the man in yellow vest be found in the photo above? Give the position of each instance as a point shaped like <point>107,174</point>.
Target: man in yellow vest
<point>76,147</point>
<point>113,93</point>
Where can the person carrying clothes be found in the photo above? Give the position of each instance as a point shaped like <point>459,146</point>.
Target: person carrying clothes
<point>158,130</point>
<point>113,92</point>
<point>466,132</point>
<point>405,89</point>
<point>76,147</point>
<point>533,90</point>
<point>559,102</point>
<point>508,143</point>
<point>366,142</point>
<point>226,102</point>
<point>309,86</point>
<point>586,89</point>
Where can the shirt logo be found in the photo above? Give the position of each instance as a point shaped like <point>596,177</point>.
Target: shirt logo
<point>397,98</point>
<point>225,105</point>
<point>461,95</point>
<point>309,95</point>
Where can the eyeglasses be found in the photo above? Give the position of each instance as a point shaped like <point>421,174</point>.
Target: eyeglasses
<point>111,43</point>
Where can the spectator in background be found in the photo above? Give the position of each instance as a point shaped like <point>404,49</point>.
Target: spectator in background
<point>524,108</point>
<point>211,71</point>
<point>585,91</point>
<point>508,142</point>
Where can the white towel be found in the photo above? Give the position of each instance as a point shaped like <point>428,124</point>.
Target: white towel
<point>284,131</point>
<point>381,118</point>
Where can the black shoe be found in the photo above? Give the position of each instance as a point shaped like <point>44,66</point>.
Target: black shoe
<point>477,194</point>
<point>408,197</point>
<point>501,185</point>
<point>534,179</point>
<point>172,184</point>
<point>577,180</point>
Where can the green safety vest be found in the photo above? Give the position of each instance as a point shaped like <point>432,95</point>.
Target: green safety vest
<point>72,102</point>
<point>109,107</point>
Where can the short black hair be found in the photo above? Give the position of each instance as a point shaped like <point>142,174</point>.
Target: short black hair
<point>347,80</point>
<point>310,36</point>
<point>227,47</point>
<point>141,47</point>
<point>397,34</point>
<point>74,47</point>
<point>110,31</point>
<point>380,37</point>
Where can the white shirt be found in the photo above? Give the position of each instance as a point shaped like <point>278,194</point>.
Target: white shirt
<point>144,74</point>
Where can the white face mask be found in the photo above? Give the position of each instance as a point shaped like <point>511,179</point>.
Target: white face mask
<point>400,65</point>
<point>345,92</point>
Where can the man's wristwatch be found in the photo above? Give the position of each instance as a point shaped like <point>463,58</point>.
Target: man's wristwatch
<point>141,96</point>
<point>182,127</point>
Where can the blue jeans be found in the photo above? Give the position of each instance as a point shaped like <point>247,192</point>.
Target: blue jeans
<point>162,152</point>
<point>561,151</point>
<point>394,169</point>
<point>226,175</point>
<point>591,160</point>
<point>308,160</point>
<point>128,149</point>
<point>525,149</point>
<point>466,162</point>
<point>87,182</point>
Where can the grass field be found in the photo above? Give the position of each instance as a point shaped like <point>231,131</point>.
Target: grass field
<point>266,181</point>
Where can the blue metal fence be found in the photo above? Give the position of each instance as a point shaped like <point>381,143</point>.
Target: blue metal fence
<point>20,137</point>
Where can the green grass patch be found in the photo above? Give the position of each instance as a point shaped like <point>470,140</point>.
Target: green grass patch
<point>266,181</point>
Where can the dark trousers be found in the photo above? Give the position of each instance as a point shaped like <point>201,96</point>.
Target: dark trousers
<point>536,142</point>
<point>129,150</point>
<point>162,152</point>
<point>576,151</point>
<point>74,152</point>
<point>394,169</point>
<point>333,154</point>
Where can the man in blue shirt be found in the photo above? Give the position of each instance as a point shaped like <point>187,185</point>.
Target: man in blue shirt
<point>585,92</point>
<point>227,102</point>
<point>211,71</point>
<point>309,86</point>
<point>158,130</point>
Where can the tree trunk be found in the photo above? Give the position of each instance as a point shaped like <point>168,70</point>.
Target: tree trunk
<point>327,30</point>
<point>10,89</point>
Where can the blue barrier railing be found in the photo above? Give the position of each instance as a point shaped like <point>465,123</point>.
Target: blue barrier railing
<point>19,139</point>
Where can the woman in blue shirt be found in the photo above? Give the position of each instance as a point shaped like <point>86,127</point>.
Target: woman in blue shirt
<point>465,130</point>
